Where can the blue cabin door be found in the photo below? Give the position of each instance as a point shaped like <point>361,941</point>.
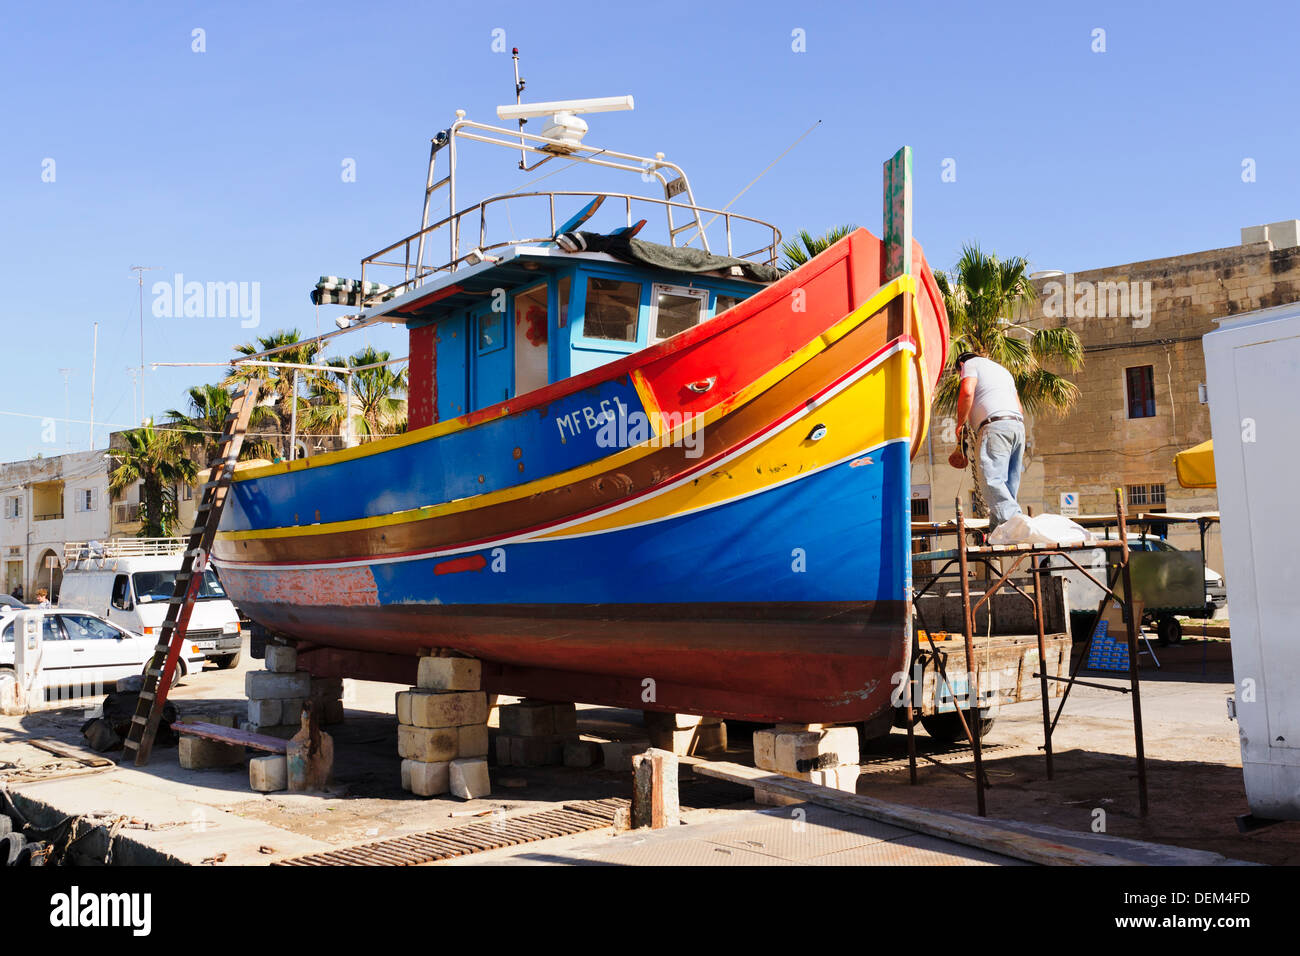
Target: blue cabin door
<point>451,369</point>
<point>493,365</point>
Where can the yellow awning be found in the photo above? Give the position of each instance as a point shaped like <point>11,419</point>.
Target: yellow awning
<point>1195,466</point>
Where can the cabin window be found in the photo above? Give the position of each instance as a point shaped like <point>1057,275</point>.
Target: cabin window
<point>724,302</point>
<point>613,308</point>
<point>491,331</point>
<point>531,353</point>
<point>676,309</point>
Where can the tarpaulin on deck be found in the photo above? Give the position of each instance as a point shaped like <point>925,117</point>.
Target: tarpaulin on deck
<point>1195,466</point>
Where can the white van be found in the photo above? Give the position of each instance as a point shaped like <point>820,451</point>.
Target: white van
<point>130,580</point>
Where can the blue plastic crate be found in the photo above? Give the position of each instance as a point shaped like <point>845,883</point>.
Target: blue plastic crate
<point>1107,653</point>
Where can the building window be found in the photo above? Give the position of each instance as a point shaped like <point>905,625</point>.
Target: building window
<point>87,499</point>
<point>187,493</point>
<point>920,509</point>
<point>1141,384</point>
<point>14,507</point>
<point>1146,496</point>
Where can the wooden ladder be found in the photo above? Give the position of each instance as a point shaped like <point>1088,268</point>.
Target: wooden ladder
<point>162,665</point>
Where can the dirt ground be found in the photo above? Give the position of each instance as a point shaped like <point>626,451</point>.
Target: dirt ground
<point>1193,764</point>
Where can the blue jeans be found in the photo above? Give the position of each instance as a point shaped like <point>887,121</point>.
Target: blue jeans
<point>1002,446</point>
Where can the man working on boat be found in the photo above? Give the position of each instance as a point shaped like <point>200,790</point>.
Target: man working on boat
<point>988,402</point>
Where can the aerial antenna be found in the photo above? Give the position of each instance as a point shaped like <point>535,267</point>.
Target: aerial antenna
<point>139,272</point>
<point>519,92</point>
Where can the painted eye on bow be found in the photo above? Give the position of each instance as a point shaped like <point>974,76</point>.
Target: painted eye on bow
<point>703,385</point>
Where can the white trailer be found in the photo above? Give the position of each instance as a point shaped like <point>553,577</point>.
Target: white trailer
<point>1252,365</point>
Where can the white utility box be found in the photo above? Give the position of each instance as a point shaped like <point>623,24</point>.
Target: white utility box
<point>1253,368</point>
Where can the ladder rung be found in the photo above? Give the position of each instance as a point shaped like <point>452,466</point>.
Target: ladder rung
<point>132,743</point>
<point>146,695</point>
<point>137,719</point>
<point>164,648</point>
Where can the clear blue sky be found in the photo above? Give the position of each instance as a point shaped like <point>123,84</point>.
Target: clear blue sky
<point>225,165</point>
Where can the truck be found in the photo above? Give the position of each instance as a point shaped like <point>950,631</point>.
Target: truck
<point>129,581</point>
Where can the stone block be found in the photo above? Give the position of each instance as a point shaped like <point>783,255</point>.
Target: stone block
<point>470,779</point>
<point>427,744</point>
<point>426,708</point>
<point>797,754</point>
<point>265,712</point>
<point>259,685</point>
<point>427,779</point>
<point>268,774</point>
<point>473,740</point>
<point>692,741</point>
<point>406,773</point>
<point>566,718</point>
<point>281,659</point>
<point>618,754</point>
<point>291,711</point>
<point>536,751</point>
<point>582,753</point>
<point>326,688</point>
<point>654,790</point>
<point>765,749</point>
<point>528,719</point>
<point>449,673</point>
<point>199,754</point>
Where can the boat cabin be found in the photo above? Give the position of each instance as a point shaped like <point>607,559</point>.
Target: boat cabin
<point>538,316</point>
<point>501,316</point>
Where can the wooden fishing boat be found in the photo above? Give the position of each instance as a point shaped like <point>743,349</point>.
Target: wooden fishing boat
<point>636,473</point>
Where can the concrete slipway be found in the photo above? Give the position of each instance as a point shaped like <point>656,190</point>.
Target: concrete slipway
<point>196,817</point>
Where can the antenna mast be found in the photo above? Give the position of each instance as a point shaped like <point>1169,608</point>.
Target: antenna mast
<point>519,91</point>
<point>140,271</point>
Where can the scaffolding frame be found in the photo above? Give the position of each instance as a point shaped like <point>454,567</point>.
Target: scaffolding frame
<point>994,558</point>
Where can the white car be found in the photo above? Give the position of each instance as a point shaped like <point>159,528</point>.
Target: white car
<point>82,650</point>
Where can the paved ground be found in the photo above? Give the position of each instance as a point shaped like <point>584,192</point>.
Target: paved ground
<point>1195,777</point>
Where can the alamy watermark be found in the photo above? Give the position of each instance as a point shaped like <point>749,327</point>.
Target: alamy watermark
<point>624,429</point>
<point>177,299</point>
<point>1086,300</point>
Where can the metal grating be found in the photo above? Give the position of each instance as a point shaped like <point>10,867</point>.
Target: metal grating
<point>464,840</point>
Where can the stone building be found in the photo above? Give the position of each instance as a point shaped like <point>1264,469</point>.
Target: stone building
<point>1141,388</point>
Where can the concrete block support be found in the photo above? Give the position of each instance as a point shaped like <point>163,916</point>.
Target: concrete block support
<point>469,778</point>
<point>281,659</point>
<point>449,673</point>
<point>199,754</point>
<point>259,685</point>
<point>268,774</point>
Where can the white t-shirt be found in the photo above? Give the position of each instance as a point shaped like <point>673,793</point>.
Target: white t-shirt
<point>995,390</point>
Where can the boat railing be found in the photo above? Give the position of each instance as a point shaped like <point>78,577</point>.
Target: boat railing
<point>405,254</point>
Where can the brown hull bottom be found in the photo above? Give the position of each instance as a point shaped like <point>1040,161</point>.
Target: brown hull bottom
<point>799,662</point>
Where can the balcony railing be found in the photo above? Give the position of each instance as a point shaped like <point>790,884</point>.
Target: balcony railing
<point>48,517</point>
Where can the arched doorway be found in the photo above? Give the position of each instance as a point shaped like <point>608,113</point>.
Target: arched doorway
<point>48,577</point>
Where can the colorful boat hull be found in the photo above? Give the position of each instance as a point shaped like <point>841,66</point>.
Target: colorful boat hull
<point>749,558</point>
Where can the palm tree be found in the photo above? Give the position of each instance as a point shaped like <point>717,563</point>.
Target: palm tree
<point>208,407</point>
<point>281,382</point>
<point>983,296</point>
<point>807,245</point>
<point>160,460</point>
<point>378,397</point>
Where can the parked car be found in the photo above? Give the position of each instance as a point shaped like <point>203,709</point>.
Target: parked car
<point>80,648</point>
<point>8,600</point>
<point>131,585</point>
